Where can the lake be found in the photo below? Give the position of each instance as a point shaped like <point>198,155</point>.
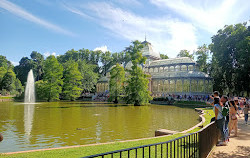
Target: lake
<point>56,124</point>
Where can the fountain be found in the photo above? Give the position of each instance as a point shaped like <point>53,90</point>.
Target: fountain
<point>30,88</point>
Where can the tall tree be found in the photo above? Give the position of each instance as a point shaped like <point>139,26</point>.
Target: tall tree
<point>202,58</point>
<point>89,77</point>
<point>136,90</point>
<point>116,82</point>
<point>106,59</point>
<point>38,60</point>
<point>21,70</point>
<point>230,60</point>
<point>72,81</point>
<point>53,73</point>
<point>185,53</point>
<point>8,81</point>
<point>5,63</point>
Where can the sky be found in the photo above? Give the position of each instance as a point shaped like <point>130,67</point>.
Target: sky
<point>56,26</point>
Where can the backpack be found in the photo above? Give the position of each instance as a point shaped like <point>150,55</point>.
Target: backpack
<point>225,111</point>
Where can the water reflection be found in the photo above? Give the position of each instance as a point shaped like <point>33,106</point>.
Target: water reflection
<point>28,119</point>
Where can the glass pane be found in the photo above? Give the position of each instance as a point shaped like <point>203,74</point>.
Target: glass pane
<point>178,86</point>
<point>186,85</point>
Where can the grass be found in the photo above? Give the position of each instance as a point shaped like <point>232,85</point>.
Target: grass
<point>5,97</point>
<point>96,149</point>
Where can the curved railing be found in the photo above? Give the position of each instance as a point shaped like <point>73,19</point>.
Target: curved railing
<point>198,144</point>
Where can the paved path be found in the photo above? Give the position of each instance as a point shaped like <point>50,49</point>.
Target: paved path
<point>238,147</point>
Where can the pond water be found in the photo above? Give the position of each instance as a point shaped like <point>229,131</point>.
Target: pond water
<point>56,124</point>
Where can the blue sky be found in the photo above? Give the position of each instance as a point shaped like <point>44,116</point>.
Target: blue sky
<point>53,26</point>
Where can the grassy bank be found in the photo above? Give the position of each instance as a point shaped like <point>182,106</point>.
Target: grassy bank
<point>5,97</point>
<point>96,149</point>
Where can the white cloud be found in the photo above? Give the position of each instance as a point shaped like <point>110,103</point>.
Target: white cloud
<point>14,63</point>
<point>18,11</point>
<point>102,48</point>
<point>76,11</point>
<point>168,35</point>
<point>46,54</point>
<point>208,15</point>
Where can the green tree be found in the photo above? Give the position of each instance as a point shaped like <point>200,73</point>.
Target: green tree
<point>137,84</point>
<point>53,73</point>
<point>37,63</point>
<point>164,56</point>
<point>22,70</point>
<point>89,77</point>
<point>202,58</point>
<point>106,60</point>
<point>5,63</point>
<point>230,60</point>
<point>185,53</point>
<point>72,81</point>
<point>2,73</point>
<point>8,81</point>
<point>116,82</point>
<point>42,90</point>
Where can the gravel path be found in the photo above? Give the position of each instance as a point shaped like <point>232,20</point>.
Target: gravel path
<point>238,147</point>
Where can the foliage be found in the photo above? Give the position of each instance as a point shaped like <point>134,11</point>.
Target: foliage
<point>106,60</point>
<point>202,58</point>
<point>116,82</point>
<point>10,83</point>
<point>137,84</point>
<point>164,56</point>
<point>25,64</point>
<point>72,81</point>
<point>5,63</point>
<point>185,53</point>
<point>230,61</point>
<point>38,60</point>
<point>53,73</point>
<point>42,90</point>
<point>89,77</point>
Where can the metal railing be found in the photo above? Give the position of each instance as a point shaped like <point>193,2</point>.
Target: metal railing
<point>193,145</point>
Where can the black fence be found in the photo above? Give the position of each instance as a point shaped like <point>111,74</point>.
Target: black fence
<point>193,145</point>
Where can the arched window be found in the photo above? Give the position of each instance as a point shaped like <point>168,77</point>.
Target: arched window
<point>161,86</point>
<point>186,85</point>
<point>166,86</point>
<point>161,69</point>
<point>106,86</point>
<point>178,86</point>
<point>171,68</point>
<point>151,70</point>
<point>210,86</point>
<point>172,86</point>
<point>184,68</point>
<point>156,69</point>
<point>155,86</point>
<point>201,86</point>
<point>193,86</point>
<point>206,86</point>
<point>190,68</point>
<point>166,69</point>
<point>177,68</point>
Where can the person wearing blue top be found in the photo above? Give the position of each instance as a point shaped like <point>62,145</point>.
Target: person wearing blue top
<point>219,118</point>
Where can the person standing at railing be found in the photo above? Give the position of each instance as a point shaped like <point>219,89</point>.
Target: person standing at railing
<point>233,120</point>
<point>219,118</point>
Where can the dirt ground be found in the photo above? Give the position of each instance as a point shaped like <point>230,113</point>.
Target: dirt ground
<point>238,147</point>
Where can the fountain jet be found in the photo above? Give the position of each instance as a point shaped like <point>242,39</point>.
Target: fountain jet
<point>30,88</point>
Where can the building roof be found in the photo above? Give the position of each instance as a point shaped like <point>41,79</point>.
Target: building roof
<point>149,52</point>
<point>172,61</point>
